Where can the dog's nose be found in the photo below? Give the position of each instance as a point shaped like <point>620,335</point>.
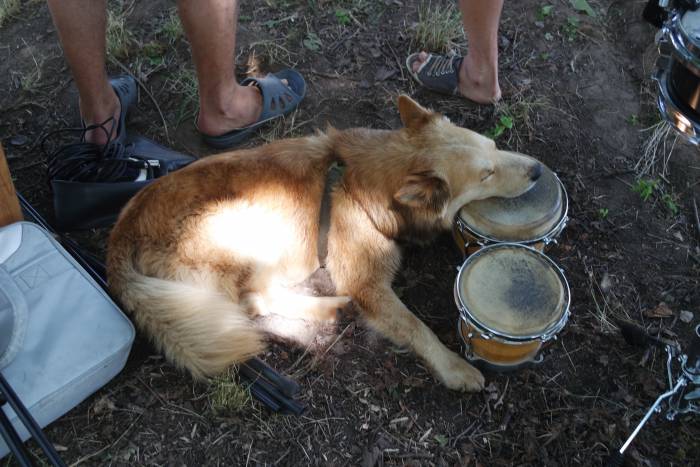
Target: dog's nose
<point>535,171</point>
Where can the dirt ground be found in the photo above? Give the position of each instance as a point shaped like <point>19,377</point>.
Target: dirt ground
<point>577,92</point>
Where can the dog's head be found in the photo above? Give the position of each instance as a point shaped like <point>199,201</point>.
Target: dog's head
<point>454,166</point>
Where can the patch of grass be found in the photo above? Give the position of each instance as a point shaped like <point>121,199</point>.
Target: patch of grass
<point>119,38</point>
<point>570,28</point>
<point>343,16</point>
<point>31,80</point>
<point>633,120</point>
<point>583,6</point>
<point>521,110</point>
<point>227,396</point>
<point>285,127</point>
<point>171,29</point>
<point>154,52</point>
<point>543,12</point>
<point>183,83</point>
<point>670,204</point>
<point>645,188</point>
<point>266,52</point>
<point>312,42</point>
<point>8,9</point>
<point>439,28</point>
<point>603,213</point>
<point>505,122</point>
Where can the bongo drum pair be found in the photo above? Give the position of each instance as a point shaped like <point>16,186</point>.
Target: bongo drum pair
<point>512,298</point>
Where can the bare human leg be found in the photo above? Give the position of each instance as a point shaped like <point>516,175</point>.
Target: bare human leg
<point>224,105</point>
<point>478,76</point>
<point>81,28</point>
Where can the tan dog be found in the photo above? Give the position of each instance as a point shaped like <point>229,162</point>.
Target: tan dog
<point>200,254</point>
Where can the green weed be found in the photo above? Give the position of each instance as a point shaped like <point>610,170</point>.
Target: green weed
<point>544,12</point>
<point>312,42</point>
<point>645,188</point>
<point>504,123</point>
<point>670,204</point>
<point>584,7</point>
<point>154,52</point>
<point>571,28</point>
<point>343,16</point>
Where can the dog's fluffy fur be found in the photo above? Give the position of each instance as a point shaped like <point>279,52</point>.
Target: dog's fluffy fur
<point>201,256</point>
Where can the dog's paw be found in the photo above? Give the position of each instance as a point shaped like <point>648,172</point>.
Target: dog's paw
<point>458,375</point>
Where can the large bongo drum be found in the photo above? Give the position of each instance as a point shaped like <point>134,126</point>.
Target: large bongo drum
<point>512,299</point>
<point>678,73</point>
<point>535,218</point>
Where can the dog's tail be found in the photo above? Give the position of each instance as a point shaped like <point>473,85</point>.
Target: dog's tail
<point>196,328</point>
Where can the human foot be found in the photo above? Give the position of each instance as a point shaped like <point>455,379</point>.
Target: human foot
<point>477,80</point>
<point>103,117</point>
<point>228,118</point>
<point>238,108</point>
<point>107,109</point>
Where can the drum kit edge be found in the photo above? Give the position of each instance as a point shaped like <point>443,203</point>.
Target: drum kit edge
<point>512,298</point>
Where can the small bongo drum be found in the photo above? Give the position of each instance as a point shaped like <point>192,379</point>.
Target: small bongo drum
<point>511,299</point>
<point>535,218</point>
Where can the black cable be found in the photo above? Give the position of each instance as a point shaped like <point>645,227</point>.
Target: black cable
<point>90,162</point>
<point>13,441</point>
<point>30,424</point>
<point>289,405</point>
<point>288,386</point>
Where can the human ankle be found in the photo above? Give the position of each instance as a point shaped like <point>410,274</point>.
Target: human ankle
<point>240,107</point>
<point>100,115</point>
<point>479,80</point>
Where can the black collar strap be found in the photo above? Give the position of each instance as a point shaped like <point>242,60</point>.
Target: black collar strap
<point>333,176</point>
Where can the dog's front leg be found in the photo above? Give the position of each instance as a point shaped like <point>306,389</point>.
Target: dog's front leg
<point>385,312</point>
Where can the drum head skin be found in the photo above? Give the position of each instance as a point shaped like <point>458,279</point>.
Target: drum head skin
<point>690,24</point>
<point>513,290</point>
<point>530,216</point>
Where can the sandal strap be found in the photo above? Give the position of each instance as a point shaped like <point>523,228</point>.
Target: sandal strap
<point>440,66</point>
<point>440,73</point>
<point>277,97</point>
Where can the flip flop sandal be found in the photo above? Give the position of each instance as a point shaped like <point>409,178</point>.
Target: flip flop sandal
<point>127,92</point>
<point>438,73</point>
<point>278,100</point>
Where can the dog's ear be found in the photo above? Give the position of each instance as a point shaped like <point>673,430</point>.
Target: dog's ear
<point>424,190</point>
<point>413,115</point>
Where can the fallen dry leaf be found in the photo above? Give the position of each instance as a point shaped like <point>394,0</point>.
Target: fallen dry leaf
<point>661,311</point>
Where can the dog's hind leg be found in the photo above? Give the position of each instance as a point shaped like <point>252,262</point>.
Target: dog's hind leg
<point>284,302</point>
<point>307,320</point>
